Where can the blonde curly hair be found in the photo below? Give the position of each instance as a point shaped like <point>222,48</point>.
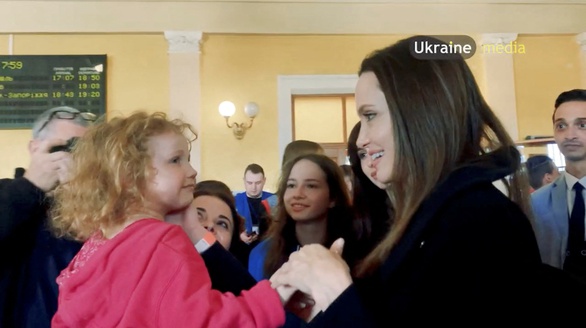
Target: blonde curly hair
<point>109,174</point>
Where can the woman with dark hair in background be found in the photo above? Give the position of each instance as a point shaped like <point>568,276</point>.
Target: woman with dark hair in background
<point>216,211</point>
<point>315,209</point>
<point>297,148</point>
<point>348,178</point>
<point>370,200</point>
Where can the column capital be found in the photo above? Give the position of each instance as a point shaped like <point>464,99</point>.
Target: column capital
<point>581,40</point>
<point>183,41</point>
<point>498,38</point>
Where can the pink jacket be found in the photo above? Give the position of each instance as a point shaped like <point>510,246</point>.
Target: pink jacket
<point>150,275</point>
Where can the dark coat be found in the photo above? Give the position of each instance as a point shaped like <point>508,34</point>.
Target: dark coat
<point>469,256</point>
<point>226,272</point>
<point>31,257</point>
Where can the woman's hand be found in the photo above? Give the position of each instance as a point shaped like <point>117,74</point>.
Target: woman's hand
<point>316,271</point>
<point>285,293</point>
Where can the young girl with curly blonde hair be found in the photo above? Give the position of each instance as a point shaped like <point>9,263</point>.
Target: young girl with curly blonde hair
<point>134,269</point>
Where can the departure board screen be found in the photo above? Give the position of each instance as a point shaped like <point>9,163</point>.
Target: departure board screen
<point>31,84</point>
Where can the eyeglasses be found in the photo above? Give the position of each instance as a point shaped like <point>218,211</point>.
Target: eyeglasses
<point>65,115</point>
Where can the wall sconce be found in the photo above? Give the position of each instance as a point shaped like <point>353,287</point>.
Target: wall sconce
<point>227,109</point>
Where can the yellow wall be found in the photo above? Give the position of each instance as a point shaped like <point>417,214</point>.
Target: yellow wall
<point>294,17</point>
<point>550,66</point>
<point>321,119</point>
<point>244,68</point>
<point>138,78</point>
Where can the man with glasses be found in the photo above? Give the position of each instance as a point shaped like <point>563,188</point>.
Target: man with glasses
<point>31,257</point>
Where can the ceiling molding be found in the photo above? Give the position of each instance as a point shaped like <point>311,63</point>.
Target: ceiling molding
<point>507,2</point>
<point>276,17</point>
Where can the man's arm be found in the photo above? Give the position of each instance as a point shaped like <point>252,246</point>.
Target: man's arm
<point>21,199</point>
<point>20,203</point>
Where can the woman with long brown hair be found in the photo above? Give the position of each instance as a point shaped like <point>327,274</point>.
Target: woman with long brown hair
<point>314,207</point>
<point>456,247</point>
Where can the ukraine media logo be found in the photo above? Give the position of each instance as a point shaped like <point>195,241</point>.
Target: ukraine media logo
<point>442,47</point>
<point>445,47</point>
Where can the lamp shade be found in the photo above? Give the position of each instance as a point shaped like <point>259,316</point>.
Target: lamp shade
<point>251,109</point>
<point>227,108</point>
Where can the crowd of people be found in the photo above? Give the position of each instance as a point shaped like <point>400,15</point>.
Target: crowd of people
<point>118,232</point>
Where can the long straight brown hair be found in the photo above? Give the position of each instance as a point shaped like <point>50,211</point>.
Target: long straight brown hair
<point>440,122</point>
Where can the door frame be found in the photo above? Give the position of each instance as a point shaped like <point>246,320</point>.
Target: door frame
<point>289,85</point>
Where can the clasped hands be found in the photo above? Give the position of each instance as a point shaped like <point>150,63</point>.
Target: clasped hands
<point>312,279</point>
<point>307,283</point>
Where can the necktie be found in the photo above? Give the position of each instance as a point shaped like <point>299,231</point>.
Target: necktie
<point>576,236</point>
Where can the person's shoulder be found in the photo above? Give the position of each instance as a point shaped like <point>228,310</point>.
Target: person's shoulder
<point>170,236</point>
<point>20,184</point>
<point>542,192</point>
<point>21,195</point>
<point>270,198</point>
<point>256,260</point>
<point>261,248</point>
<point>478,198</point>
<point>546,190</point>
<point>155,230</point>
<point>240,195</point>
<point>5,183</point>
<point>151,223</point>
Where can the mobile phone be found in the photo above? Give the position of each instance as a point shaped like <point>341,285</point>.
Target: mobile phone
<point>66,147</point>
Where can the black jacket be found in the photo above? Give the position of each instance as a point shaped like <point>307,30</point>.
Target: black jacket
<point>229,275</point>
<point>226,272</point>
<point>468,257</point>
<point>31,257</point>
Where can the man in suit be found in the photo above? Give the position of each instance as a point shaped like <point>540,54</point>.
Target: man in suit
<point>559,207</point>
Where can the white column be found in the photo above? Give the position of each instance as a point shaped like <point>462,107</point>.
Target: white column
<point>185,84</point>
<point>581,39</point>
<point>500,80</point>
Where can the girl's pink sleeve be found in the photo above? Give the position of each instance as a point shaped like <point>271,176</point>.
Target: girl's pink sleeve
<point>188,300</point>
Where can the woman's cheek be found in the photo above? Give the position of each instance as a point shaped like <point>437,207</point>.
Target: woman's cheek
<point>221,238</point>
